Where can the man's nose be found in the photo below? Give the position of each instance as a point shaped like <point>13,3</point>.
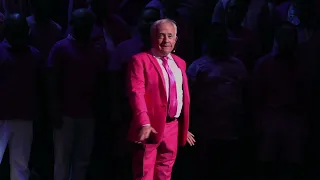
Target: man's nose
<point>166,38</point>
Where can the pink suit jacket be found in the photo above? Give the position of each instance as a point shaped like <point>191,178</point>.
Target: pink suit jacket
<point>148,99</point>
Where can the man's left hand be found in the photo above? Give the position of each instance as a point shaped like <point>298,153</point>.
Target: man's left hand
<point>190,139</point>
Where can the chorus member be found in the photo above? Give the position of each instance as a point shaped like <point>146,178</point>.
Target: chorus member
<point>19,67</point>
<point>76,66</point>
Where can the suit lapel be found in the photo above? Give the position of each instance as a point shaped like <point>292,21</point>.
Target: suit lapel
<point>158,68</point>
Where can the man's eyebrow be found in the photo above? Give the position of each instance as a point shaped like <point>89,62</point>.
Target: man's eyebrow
<point>165,33</point>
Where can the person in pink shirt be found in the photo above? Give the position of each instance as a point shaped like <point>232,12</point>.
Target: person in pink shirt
<point>159,99</point>
<point>121,114</point>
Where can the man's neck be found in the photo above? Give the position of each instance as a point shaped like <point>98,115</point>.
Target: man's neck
<point>157,53</point>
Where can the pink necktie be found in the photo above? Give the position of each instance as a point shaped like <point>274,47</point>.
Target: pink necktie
<point>172,110</point>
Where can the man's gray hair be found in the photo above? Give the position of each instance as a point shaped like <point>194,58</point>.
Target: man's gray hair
<point>163,21</point>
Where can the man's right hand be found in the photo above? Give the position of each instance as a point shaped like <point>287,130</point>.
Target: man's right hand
<point>145,133</point>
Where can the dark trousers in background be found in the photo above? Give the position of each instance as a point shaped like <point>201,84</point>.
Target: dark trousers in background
<point>5,167</point>
<point>214,159</point>
<point>218,159</point>
<point>122,149</point>
<point>102,151</point>
<point>282,144</point>
<point>41,160</point>
<point>111,157</point>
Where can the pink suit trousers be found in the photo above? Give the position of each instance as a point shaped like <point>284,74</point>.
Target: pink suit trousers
<point>155,161</point>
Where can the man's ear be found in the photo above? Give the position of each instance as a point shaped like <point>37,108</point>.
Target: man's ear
<point>176,38</point>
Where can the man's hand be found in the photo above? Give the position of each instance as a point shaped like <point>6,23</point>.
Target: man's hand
<point>190,139</point>
<point>145,133</point>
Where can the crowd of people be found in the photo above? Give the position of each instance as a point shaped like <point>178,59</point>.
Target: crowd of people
<point>114,92</point>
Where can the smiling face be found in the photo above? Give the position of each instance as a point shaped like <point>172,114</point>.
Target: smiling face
<point>164,38</point>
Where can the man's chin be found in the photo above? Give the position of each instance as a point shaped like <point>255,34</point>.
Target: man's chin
<point>166,49</point>
<point>165,52</point>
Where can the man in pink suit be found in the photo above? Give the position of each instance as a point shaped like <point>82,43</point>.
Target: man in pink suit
<point>159,98</point>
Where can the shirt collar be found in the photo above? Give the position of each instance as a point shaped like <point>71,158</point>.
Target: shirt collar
<point>169,55</point>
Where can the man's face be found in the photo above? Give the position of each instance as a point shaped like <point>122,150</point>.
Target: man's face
<point>235,14</point>
<point>164,38</point>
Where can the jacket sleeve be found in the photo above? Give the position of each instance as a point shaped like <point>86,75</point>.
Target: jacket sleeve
<point>136,88</point>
